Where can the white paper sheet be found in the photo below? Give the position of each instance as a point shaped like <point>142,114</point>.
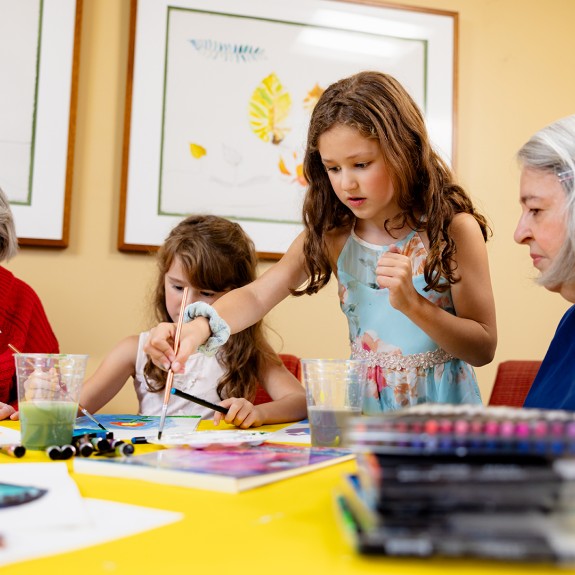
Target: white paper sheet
<point>9,436</point>
<point>128,520</point>
<point>62,520</point>
<point>61,506</point>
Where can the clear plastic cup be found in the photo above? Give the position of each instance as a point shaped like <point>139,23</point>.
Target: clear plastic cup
<point>48,393</point>
<point>334,393</point>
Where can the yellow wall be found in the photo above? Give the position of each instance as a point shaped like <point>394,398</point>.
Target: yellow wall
<point>514,77</point>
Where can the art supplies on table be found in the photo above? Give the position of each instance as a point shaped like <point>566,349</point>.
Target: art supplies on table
<point>533,537</point>
<point>16,450</point>
<point>423,486</point>
<point>127,426</point>
<point>467,430</point>
<point>458,480</point>
<point>225,437</point>
<point>520,535</point>
<point>217,468</point>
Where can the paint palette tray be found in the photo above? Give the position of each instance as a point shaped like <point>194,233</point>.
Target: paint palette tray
<point>201,439</point>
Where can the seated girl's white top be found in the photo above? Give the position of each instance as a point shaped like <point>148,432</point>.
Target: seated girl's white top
<point>200,378</point>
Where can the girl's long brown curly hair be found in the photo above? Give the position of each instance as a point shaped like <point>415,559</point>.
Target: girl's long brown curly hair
<point>217,255</point>
<point>379,108</point>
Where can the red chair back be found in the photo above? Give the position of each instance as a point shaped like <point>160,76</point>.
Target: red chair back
<point>293,365</point>
<point>513,381</point>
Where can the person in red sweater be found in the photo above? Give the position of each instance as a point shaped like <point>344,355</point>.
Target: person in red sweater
<point>23,321</point>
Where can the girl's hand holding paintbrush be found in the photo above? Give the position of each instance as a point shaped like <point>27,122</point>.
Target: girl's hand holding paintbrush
<point>158,345</point>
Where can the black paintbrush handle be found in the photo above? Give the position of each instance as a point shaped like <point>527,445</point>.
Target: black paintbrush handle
<point>199,401</point>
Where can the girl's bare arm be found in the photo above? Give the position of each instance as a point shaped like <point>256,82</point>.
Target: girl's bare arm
<point>471,334</point>
<point>239,308</point>
<point>288,401</point>
<point>111,375</point>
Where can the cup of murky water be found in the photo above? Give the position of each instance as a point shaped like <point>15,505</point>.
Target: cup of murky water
<point>334,392</point>
<point>48,393</point>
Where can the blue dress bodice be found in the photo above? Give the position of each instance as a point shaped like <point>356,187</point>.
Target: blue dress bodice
<point>406,366</point>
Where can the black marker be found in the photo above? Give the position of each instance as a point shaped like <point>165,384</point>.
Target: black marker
<point>100,443</point>
<point>13,450</point>
<point>120,446</point>
<point>120,450</point>
<point>139,440</point>
<point>54,452</point>
<point>83,446</point>
<point>124,449</point>
<point>67,451</point>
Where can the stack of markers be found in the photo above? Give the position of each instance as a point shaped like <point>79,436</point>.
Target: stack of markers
<point>98,443</point>
<point>83,445</point>
<point>449,480</point>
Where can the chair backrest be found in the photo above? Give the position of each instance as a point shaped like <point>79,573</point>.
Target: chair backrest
<point>513,381</point>
<point>292,363</point>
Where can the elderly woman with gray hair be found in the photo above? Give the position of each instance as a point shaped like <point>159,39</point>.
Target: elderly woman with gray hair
<point>23,321</point>
<point>547,226</point>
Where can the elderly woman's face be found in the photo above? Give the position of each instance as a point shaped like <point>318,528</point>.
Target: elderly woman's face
<point>542,223</point>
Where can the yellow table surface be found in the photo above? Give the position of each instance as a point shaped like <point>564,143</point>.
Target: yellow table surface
<point>285,527</point>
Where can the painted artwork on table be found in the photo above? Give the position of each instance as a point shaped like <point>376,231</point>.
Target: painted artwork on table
<point>128,426</point>
<point>11,494</point>
<point>221,97</point>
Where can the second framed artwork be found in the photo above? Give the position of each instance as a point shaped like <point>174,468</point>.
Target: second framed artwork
<point>39,62</point>
<point>220,95</point>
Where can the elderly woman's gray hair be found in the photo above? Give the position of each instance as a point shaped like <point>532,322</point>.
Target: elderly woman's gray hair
<point>8,238</point>
<point>552,149</point>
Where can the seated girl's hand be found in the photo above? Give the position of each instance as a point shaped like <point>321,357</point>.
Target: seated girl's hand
<point>241,413</point>
<point>6,411</point>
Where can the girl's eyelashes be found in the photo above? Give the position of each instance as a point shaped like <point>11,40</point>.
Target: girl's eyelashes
<point>203,293</point>
<point>333,169</point>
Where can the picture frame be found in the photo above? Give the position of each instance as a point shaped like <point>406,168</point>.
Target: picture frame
<point>220,93</point>
<point>39,47</point>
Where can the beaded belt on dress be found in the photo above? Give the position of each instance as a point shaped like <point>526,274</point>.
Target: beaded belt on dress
<point>397,362</point>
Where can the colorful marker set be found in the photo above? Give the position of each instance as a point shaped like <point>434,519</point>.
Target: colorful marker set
<point>467,430</point>
<point>446,480</point>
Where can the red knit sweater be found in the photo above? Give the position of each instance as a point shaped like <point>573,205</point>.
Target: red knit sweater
<point>24,324</point>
